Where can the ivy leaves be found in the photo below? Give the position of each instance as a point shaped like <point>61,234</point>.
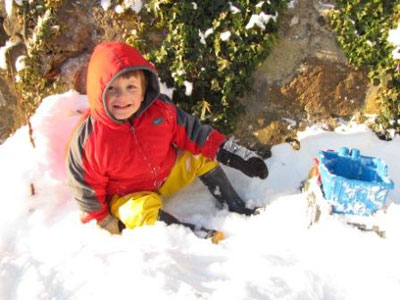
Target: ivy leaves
<point>362,30</point>
<point>207,43</point>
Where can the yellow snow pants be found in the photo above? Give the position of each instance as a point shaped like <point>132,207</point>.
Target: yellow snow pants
<point>142,208</point>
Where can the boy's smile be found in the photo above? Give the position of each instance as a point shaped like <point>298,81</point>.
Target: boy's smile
<point>124,96</point>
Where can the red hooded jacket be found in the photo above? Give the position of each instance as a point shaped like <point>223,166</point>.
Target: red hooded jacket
<point>109,157</point>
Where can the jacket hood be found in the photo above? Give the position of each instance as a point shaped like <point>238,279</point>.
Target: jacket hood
<point>108,61</point>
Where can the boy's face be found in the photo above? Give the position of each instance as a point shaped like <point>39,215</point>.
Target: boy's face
<point>124,96</point>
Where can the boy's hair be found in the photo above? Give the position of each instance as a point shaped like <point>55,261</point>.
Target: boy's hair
<point>137,73</point>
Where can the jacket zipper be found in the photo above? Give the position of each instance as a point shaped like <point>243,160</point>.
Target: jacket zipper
<point>153,170</point>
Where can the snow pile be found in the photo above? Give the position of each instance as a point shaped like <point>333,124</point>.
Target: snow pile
<point>3,54</point>
<point>46,253</point>
<point>260,20</point>
<point>225,35</point>
<point>394,38</point>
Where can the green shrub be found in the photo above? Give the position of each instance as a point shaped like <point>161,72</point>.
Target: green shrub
<point>362,29</point>
<point>220,70</point>
<point>42,27</point>
<point>169,34</point>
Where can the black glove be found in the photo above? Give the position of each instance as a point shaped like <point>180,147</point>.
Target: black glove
<point>238,157</point>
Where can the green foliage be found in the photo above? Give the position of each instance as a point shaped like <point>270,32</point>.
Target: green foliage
<point>172,35</point>
<point>220,70</point>
<point>362,29</point>
<point>42,29</point>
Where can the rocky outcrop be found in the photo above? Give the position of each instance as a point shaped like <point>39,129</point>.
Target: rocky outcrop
<point>60,49</point>
<point>305,79</point>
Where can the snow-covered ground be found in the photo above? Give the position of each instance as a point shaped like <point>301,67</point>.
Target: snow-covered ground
<point>46,253</point>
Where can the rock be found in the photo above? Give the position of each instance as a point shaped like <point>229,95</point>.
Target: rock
<point>372,103</point>
<point>10,116</point>
<point>74,73</point>
<point>305,78</point>
<point>276,132</point>
<point>327,90</point>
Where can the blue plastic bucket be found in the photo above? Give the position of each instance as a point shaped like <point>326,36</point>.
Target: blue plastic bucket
<point>352,183</point>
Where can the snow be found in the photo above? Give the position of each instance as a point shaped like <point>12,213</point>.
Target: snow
<point>203,36</point>
<point>260,4</point>
<point>20,63</point>
<point>166,90</point>
<point>41,21</point>
<point>208,32</point>
<point>225,35</point>
<point>119,9</point>
<point>260,20</point>
<point>8,5</point>
<point>105,4</point>
<point>394,38</point>
<point>135,5</point>
<point>188,87</point>
<point>292,123</point>
<point>292,4</point>
<point>3,54</point>
<point>46,253</point>
<point>233,9</point>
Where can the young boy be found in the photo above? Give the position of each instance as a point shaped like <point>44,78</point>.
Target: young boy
<point>134,147</point>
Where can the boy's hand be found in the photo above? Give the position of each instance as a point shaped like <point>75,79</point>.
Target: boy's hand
<point>238,157</point>
<point>111,224</point>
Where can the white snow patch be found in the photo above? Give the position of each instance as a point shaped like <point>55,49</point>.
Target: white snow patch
<point>203,36</point>
<point>233,9</point>
<point>105,4</point>
<point>394,38</point>
<point>164,89</point>
<point>292,4</point>
<point>40,22</point>
<point>208,32</point>
<point>135,5</point>
<point>178,73</point>
<point>46,253</point>
<point>9,7</point>
<point>20,63</point>
<point>260,4</point>
<point>225,35</point>
<point>260,20</point>
<point>3,54</point>
<point>291,122</point>
<point>119,9</point>
<point>189,87</point>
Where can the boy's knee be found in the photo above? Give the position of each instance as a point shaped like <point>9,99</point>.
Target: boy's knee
<point>205,165</point>
<point>137,209</point>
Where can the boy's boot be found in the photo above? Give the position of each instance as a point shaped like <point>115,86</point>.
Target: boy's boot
<point>222,190</point>
<point>200,231</point>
